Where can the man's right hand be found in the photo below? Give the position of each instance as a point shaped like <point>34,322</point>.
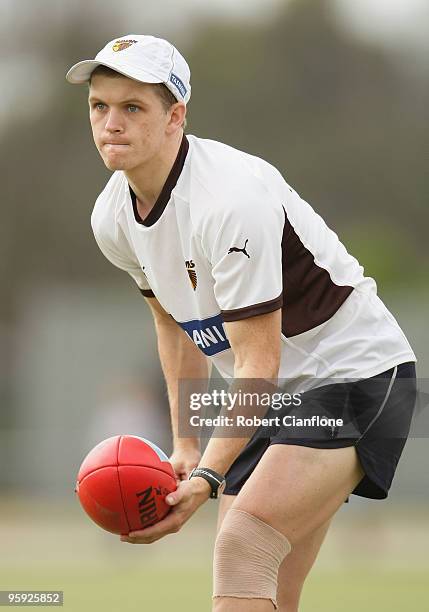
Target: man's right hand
<point>184,459</point>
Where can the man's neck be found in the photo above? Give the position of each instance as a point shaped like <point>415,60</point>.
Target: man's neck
<point>147,182</point>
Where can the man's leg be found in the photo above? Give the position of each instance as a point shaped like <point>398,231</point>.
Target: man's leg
<point>225,504</point>
<point>295,567</point>
<point>293,491</point>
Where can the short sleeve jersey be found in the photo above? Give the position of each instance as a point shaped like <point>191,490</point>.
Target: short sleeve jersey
<point>229,239</point>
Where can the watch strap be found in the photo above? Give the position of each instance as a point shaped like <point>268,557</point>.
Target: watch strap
<point>216,481</point>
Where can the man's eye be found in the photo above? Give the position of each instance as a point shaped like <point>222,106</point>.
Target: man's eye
<point>99,106</point>
<point>133,108</point>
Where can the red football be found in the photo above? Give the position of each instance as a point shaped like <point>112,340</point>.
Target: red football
<point>122,484</point>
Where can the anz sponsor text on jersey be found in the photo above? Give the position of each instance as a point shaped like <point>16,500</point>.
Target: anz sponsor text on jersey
<point>209,334</point>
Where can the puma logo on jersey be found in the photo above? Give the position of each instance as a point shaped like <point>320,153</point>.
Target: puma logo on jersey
<point>237,250</point>
<point>191,273</point>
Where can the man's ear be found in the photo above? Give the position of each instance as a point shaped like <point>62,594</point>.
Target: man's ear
<point>177,117</point>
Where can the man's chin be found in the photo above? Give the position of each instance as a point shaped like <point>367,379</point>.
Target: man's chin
<point>119,162</point>
<point>114,165</point>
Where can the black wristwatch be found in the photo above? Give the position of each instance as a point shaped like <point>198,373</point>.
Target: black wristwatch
<point>215,480</point>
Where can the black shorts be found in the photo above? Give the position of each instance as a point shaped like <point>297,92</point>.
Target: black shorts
<point>376,413</point>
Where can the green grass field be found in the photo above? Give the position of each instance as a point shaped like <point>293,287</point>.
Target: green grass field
<point>372,560</point>
<point>188,590</point>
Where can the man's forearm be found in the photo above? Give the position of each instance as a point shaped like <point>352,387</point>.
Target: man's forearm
<point>221,452</point>
<point>180,359</point>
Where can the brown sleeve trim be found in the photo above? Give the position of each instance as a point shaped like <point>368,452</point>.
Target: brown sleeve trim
<point>147,292</point>
<point>251,311</point>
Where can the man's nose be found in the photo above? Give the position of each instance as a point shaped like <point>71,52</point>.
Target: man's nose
<point>113,121</point>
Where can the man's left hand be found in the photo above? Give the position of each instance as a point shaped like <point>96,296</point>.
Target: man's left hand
<point>185,500</point>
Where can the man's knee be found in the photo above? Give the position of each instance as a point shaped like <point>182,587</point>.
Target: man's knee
<point>247,557</point>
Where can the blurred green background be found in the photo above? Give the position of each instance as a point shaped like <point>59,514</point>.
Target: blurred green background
<point>334,93</point>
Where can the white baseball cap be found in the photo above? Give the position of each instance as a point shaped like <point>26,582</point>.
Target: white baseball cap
<point>143,58</point>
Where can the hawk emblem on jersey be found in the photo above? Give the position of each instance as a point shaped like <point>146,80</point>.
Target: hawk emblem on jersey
<point>191,273</point>
<point>237,250</point>
<point>120,45</point>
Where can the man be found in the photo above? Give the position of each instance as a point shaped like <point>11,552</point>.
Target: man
<point>238,270</point>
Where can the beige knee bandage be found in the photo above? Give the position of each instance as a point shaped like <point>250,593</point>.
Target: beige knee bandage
<point>247,556</point>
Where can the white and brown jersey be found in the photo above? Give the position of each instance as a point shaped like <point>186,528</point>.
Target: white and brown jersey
<point>229,239</point>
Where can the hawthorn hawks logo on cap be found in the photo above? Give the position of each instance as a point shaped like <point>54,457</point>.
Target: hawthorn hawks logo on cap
<point>191,272</point>
<point>120,45</point>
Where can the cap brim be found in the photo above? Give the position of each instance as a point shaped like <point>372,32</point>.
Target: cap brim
<point>81,72</point>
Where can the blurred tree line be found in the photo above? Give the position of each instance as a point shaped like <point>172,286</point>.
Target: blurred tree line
<point>345,124</point>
